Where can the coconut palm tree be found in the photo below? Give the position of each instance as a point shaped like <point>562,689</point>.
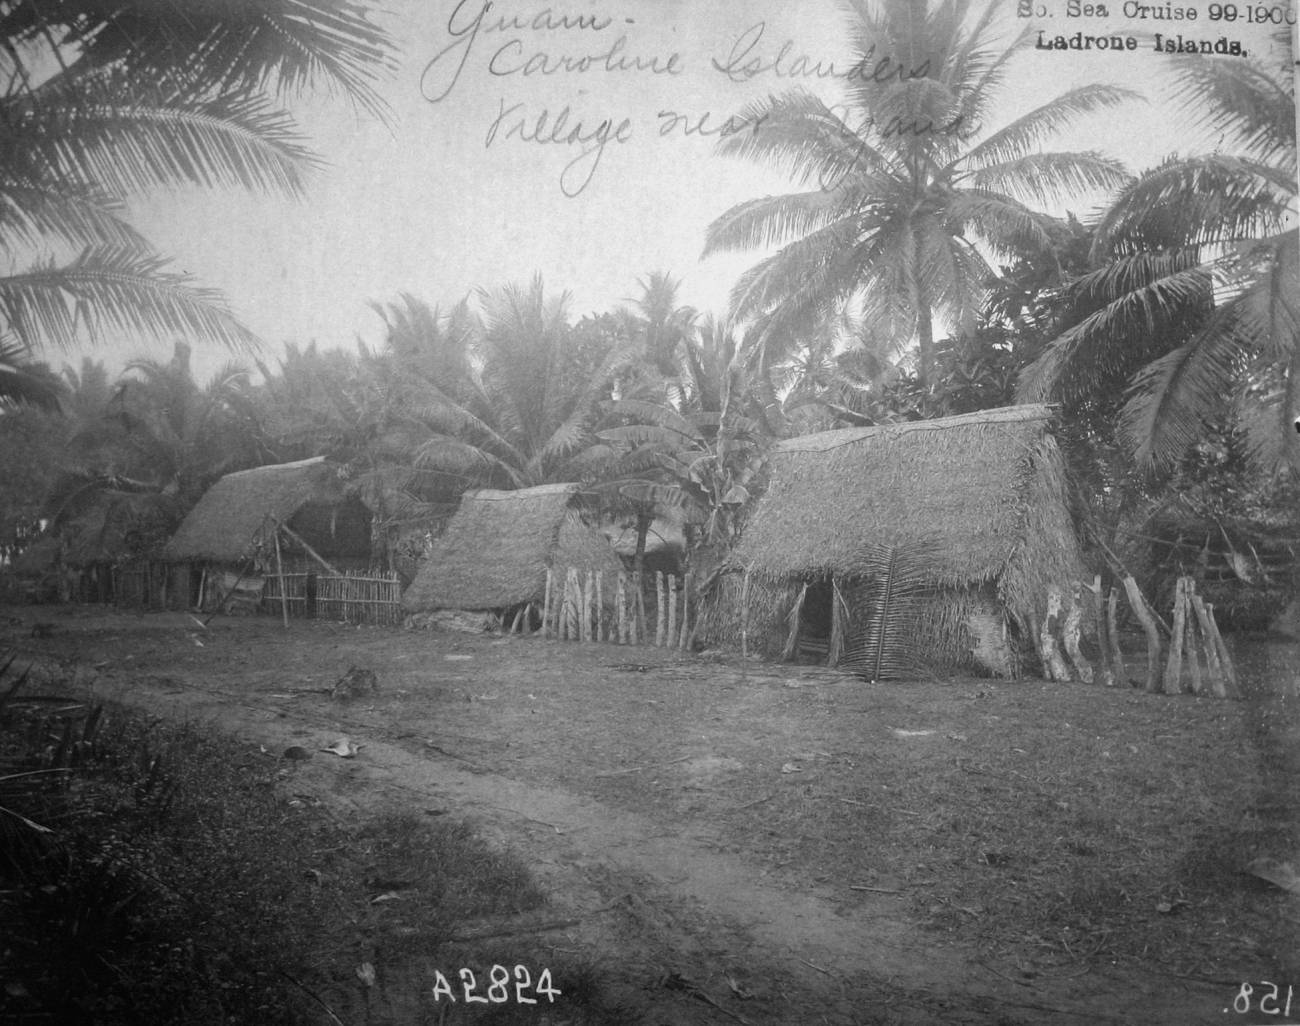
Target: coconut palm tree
<point>104,102</point>
<point>912,182</point>
<point>1191,303</point>
<point>507,399</point>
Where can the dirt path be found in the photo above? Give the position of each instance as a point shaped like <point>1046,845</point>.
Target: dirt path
<point>653,889</point>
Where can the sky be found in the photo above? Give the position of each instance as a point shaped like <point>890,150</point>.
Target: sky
<point>455,193</point>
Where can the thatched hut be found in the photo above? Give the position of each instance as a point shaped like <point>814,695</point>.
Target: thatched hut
<point>235,528</point>
<point>965,515</point>
<point>496,550</point>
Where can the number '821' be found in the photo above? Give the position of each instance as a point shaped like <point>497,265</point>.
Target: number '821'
<point>1269,1000</point>
<point>499,987</point>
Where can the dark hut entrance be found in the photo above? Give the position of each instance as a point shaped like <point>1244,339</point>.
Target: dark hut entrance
<point>816,619</point>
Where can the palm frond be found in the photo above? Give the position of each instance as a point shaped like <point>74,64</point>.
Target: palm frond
<point>797,135</point>
<point>113,135</point>
<point>1026,134</point>
<point>1173,396</point>
<point>110,289</point>
<point>774,220</point>
<point>35,214</point>
<point>1210,198</point>
<point>1147,309</point>
<point>888,646</point>
<point>1243,103</point>
<point>25,383</point>
<point>1048,178</point>
<point>234,46</point>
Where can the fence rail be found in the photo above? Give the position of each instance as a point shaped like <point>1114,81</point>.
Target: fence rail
<point>374,597</point>
<point>621,608</point>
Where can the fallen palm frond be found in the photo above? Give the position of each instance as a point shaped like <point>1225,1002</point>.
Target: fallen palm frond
<point>897,581</point>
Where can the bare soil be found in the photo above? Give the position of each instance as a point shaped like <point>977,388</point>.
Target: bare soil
<point>776,844</point>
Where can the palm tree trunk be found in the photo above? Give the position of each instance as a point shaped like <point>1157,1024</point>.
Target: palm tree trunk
<point>773,415</point>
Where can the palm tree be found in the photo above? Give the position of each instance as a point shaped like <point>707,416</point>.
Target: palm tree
<point>106,101</point>
<point>691,454</point>
<point>662,325</point>
<point>912,182</point>
<point>1191,302</point>
<point>157,444</point>
<point>507,400</point>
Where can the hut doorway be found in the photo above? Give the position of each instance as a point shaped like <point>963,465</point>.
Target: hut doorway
<point>815,620</point>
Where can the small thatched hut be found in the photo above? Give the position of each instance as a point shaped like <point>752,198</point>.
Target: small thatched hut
<point>234,528</point>
<point>972,509</point>
<point>495,552</point>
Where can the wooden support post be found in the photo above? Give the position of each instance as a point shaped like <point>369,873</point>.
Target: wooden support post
<point>546,605</point>
<point>279,569</point>
<point>671,637</point>
<point>1225,657</point>
<point>1139,606</point>
<point>620,600</point>
<point>588,608</point>
<point>661,610</point>
<point>1112,637</point>
<point>638,608</point>
<point>575,606</point>
<point>528,619</point>
<point>1053,663</point>
<point>1070,634</point>
<point>602,621</point>
<point>1174,667</point>
<point>519,616</point>
<point>744,621</point>
<point>686,605</point>
<point>1099,617</point>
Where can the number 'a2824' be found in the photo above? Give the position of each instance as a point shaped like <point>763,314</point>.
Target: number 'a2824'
<point>499,989</point>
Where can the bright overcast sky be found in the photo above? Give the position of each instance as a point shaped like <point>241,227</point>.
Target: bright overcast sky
<point>437,206</point>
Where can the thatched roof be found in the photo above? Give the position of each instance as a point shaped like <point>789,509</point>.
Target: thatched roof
<point>971,488</point>
<point>496,549</point>
<point>228,520</point>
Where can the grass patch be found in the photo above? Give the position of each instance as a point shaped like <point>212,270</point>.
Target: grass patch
<point>161,873</point>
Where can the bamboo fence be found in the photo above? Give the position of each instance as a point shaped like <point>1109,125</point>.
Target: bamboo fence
<point>374,597</point>
<point>618,608</point>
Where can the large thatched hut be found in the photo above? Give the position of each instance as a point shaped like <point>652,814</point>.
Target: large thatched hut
<point>234,530</point>
<point>961,523</point>
<point>497,548</point>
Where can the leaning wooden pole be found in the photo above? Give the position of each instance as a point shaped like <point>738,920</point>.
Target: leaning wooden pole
<point>1190,648</point>
<point>1225,657</point>
<point>279,569</point>
<point>1139,606</point>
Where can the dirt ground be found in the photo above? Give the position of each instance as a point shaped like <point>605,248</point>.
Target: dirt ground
<point>654,793</point>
